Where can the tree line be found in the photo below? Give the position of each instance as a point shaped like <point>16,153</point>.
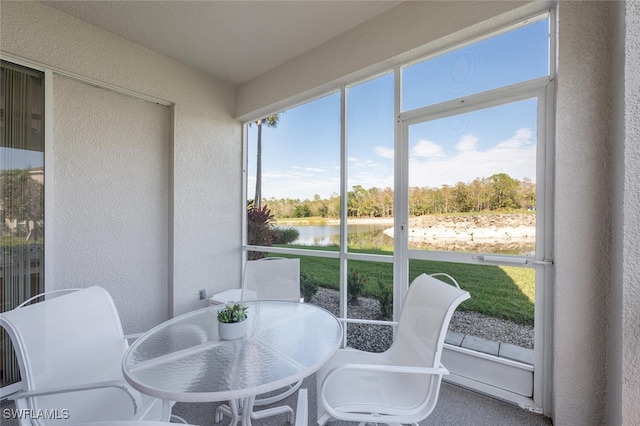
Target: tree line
<point>497,192</point>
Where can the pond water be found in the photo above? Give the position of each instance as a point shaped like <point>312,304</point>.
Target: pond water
<point>359,235</point>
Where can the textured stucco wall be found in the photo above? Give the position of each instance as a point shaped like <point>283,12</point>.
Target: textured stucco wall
<point>614,362</point>
<point>582,213</point>
<point>111,195</point>
<point>624,350</point>
<point>206,158</point>
<point>630,260</point>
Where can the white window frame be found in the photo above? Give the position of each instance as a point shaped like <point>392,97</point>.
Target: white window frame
<point>540,88</point>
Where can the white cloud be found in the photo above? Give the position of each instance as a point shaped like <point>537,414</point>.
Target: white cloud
<point>429,165</point>
<point>300,188</point>
<point>425,148</point>
<point>297,183</point>
<point>467,143</point>
<point>524,134</point>
<point>314,170</point>
<point>384,152</point>
<point>514,156</point>
<point>521,137</point>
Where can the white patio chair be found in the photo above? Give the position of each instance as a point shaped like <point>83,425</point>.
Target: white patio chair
<point>270,278</point>
<point>402,384</point>
<point>69,349</point>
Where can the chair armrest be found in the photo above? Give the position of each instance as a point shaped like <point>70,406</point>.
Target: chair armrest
<point>117,384</point>
<point>366,321</point>
<point>130,338</point>
<point>401,369</point>
<point>134,336</point>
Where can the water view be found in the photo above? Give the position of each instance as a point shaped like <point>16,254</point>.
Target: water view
<point>367,235</point>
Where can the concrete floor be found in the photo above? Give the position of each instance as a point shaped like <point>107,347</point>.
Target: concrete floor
<point>456,406</point>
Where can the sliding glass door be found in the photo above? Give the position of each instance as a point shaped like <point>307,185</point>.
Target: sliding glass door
<point>21,195</point>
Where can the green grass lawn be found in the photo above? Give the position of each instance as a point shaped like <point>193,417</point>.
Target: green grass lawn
<point>499,291</point>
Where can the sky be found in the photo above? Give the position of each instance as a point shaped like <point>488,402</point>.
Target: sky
<point>11,158</point>
<point>301,156</point>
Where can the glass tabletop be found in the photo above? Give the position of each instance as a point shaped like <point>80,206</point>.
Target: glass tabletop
<point>184,359</point>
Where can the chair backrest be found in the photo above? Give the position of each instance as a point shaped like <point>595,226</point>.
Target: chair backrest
<point>69,340</point>
<point>424,320</point>
<point>272,278</point>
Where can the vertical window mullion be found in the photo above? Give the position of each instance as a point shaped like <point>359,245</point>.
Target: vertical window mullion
<point>344,190</point>
<point>401,263</point>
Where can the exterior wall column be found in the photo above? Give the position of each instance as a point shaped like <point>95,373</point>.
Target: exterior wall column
<point>583,213</point>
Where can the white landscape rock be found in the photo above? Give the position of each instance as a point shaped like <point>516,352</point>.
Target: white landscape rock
<point>472,230</point>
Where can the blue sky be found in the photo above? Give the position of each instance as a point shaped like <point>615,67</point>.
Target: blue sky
<point>301,157</point>
<point>20,158</point>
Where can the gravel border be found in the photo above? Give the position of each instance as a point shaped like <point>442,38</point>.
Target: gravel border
<point>377,338</point>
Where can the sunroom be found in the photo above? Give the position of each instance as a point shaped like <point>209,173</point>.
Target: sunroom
<point>148,162</point>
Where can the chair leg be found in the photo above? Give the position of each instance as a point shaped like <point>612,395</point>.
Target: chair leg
<point>177,419</point>
<point>388,424</point>
<point>242,410</point>
<point>302,409</point>
<point>267,412</point>
<point>291,389</point>
<point>232,410</point>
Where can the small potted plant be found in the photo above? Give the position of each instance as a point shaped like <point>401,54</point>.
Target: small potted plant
<point>231,322</point>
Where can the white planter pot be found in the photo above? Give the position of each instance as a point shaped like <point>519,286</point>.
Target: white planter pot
<point>232,330</point>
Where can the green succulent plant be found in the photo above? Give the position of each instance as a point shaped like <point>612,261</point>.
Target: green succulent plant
<point>233,313</point>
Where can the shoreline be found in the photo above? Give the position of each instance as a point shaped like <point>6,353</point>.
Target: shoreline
<point>322,221</point>
<point>474,230</point>
<point>470,235</point>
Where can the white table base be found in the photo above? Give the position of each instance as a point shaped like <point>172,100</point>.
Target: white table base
<point>242,410</point>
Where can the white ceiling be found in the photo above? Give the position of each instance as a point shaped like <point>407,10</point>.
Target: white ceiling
<point>233,41</point>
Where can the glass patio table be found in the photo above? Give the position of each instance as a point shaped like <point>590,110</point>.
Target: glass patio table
<point>184,359</point>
